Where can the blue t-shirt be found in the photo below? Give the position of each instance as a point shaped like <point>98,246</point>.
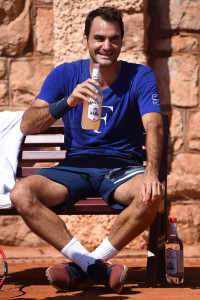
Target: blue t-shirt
<point>133,94</point>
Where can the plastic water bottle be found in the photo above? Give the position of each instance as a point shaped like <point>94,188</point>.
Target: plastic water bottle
<point>91,115</point>
<point>174,256</point>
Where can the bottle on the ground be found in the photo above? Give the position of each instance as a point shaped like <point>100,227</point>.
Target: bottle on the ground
<point>174,256</point>
<point>91,115</point>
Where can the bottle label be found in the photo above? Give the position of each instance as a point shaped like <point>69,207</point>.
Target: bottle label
<point>95,73</point>
<point>174,261</point>
<point>94,108</point>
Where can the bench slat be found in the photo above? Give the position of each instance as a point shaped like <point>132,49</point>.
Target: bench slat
<point>56,127</point>
<point>26,171</point>
<point>48,156</point>
<point>91,206</point>
<point>43,139</point>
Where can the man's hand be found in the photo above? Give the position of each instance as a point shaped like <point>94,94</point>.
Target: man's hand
<point>151,189</point>
<point>83,92</point>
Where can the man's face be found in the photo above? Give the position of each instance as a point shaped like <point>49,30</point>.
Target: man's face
<point>104,42</point>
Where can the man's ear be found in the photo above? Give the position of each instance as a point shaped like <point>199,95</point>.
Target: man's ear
<point>85,43</point>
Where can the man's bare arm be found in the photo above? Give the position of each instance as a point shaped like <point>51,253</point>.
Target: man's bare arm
<point>36,118</point>
<point>153,125</point>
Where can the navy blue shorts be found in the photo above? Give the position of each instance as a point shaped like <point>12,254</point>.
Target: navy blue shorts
<point>92,176</point>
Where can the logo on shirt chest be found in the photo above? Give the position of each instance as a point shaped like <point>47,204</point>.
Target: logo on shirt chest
<point>106,112</point>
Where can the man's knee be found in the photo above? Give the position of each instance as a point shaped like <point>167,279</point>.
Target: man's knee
<point>20,197</point>
<point>147,209</point>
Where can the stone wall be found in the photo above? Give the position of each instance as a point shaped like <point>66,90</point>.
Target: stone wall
<point>174,36</point>
<point>37,35</point>
<point>26,50</point>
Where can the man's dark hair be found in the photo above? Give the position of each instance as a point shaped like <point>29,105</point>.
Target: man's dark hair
<point>106,13</point>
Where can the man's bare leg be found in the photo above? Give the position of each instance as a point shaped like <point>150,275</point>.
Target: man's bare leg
<point>136,217</point>
<point>30,196</point>
<point>133,220</point>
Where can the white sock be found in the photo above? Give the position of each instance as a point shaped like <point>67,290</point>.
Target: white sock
<point>78,254</point>
<point>105,250</point>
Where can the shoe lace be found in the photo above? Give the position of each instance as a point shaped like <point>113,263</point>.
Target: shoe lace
<point>100,271</point>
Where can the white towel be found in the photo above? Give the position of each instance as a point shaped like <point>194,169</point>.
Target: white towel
<point>10,142</point>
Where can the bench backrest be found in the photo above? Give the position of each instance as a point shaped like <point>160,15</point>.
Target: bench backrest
<point>48,147</point>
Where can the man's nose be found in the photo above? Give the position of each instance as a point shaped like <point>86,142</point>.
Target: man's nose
<point>106,44</point>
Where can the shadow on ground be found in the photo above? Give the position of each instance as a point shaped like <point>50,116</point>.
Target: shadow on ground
<point>136,275</point>
<point>135,281</point>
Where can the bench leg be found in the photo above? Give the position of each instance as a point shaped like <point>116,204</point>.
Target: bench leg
<point>156,248</point>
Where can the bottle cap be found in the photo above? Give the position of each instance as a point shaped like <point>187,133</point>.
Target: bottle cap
<point>96,65</point>
<point>173,220</point>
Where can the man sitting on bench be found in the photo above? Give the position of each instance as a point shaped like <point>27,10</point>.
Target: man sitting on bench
<point>106,163</point>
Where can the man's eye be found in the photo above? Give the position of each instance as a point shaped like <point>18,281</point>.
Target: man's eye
<point>115,39</point>
<point>99,39</point>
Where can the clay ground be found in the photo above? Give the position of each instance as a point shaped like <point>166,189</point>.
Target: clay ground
<point>26,277</point>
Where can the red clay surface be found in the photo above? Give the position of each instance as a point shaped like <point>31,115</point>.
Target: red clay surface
<point>26,278</point>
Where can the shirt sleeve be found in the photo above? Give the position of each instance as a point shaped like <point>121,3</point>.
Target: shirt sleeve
<point>147,92</point>
<point>52,88</point>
